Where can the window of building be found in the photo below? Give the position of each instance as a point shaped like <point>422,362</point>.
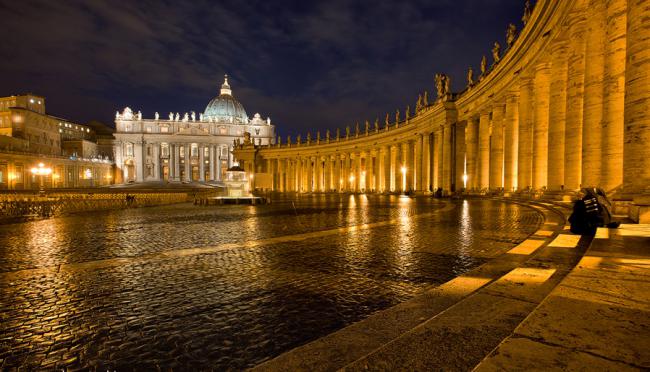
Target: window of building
<point>223,130</point>
<point>18,176</point>
<point>164,129</point>
<point>195,149</point>
<point>206,152</point>
<point>181,150</point>
<point>127,127</point>
<point>149,150</point>
<point>148,129</point>
<point>164,150</point>
<point>129,149</point>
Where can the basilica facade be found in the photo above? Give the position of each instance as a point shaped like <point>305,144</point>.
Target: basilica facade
<point>186,148</point>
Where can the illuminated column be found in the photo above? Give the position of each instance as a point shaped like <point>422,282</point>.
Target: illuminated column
<point>525,158</point>
<point>511,141</point>
<point>211,160</point>
<point>218,158</point>
<point>484,150</point>
<point>426,162</point>
<point>557,116</point>
<point>201,163</point>
<point>369,171</point>
<point>188,170</point>
<point>593,94</point>
<point>438,157</point>
<point>471,146</point>
<point>384,168</point>
<point>460,155</point>
<point>407,161</point>
<point>614,96</point>
<point>540,126</point>
<point>636,161</point>
<point>496,147</point>
<point>327,176</point>
<point>177,162</point>
<point>418,179</point>
<point>171,161</point>
<point>139,161</point>
<point>393,168</point>
<point>337,173</point>
<point>446,159</point>
<point>156,160</point>
<point>575,89</point>
<point>357,172</point>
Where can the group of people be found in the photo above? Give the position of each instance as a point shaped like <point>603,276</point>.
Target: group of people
<point>591,211</point>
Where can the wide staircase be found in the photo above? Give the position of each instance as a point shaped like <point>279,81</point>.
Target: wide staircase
<point>531,308</point>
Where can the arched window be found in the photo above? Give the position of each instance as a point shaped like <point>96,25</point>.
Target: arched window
<point>129,149</point>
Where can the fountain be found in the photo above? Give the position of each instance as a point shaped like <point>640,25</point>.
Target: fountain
<point>237,190</point>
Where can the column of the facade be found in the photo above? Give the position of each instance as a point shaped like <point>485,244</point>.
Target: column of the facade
<point>540,125</point>
<point>614,96</point>
<point>426,162</point>
<point>557,115</point>
<point>459,161</point>
<point>511,142</point>
<point>496,147</point>
<point>156,161</point>
<point>471,146</point>
<point>384,168</point>
<point>139,161</point>
<point>636,151</point>
<point>218,159</point>
<point>437,159</point>
<point>484,150</point>
<point>418,179</point>
<point>525,157</point>
<point>188,169</point>
<point>369,171</point>
<point>177,162</point>
<point>447,160</point>
<point>201,163</point>
<point>407,162</point>
<point>212,165</point>
<point>593,94</point>
<point>357,172</point>
<point>392,170</point>
<point>574,105</point>
<point>171,162</point>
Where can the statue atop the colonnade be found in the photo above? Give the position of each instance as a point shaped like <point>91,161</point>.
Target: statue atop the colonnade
<point>308,138</point>
<point>425,99</point>
<point>511,34</point>
<point>470,77</point>
<point>279,141</point>
<point>527,12</point>
<point>442,85</point>
<point>289,140</point>
<point>408,112</point>
<point>483,65</point>
<point>376,124</point>
<point>367,127</point>
<point>338,133</point>
<point>418,104</point>
<point>327,136</point>
<point>356,129</point>
<point>495,52</point>
<point>386,123</point>
<point>347,132</point>
<point>318,137</point>
<point>397,118</point>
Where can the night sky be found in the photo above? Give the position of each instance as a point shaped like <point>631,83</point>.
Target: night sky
<point>308,65</point>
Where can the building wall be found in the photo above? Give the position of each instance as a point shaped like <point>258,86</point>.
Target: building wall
<point>565,106</point>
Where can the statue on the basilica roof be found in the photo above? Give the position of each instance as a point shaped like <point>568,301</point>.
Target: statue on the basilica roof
<point>470,77</point>
<point>495,52</point>
<point>511,34</point>
<point>483,65</point>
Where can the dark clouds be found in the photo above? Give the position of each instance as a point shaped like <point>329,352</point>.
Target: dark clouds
<point>309,65</point>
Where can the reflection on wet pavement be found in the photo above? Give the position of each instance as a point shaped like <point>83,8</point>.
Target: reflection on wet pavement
<point>277,286</point>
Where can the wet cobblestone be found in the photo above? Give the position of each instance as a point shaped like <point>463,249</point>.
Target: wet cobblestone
<point>234,308</point>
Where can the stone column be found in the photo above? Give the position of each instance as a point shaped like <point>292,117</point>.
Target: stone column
<point>557,115</point>
<point>438,156</point>
<point>459,155</point>
<point>156,160</point>
<point>384,167</point>
<point>593,94</point>
<point>212,165</point>
<point>357,172</point>
<point>171,161</point>
<point>139,161</point>
<point>201,163</point>
<point>511,142</point>
<point>418,179</point>
<point>636,160</point>
<point>318,162</point>
<point>177,162</point>
<point>525,158</point>
<point>369,172</point>
<point>426,162</point>
<point>540,125</point>
<point>446,159</point>
<point>218,157</point>
<point>471,146</point>
<point>188,168</point>
<point>614,96</point>
<point>407,161</point>
<point>484,150</point>
<point>496,147</point>
<point>574,106</point>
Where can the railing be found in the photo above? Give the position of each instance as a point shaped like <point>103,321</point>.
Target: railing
<point>17,205</point>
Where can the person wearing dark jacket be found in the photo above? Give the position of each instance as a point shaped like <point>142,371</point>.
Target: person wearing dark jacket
<point>591,212</point>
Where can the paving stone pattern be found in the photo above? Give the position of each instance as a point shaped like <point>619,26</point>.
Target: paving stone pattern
<point>234,308</point>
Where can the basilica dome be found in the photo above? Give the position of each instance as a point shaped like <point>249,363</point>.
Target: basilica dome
<point>225,108</point>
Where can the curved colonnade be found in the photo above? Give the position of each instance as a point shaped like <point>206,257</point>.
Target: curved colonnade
<point>566,106</point>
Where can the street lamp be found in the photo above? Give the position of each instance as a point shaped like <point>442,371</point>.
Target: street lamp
<point>41,171</point>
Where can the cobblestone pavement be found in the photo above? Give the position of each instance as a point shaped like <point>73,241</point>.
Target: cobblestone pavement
<point>127,290</point>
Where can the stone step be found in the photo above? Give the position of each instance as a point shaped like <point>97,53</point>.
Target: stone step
<point>453,325</point>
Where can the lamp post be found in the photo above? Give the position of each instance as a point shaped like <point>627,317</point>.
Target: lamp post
<point>41,171</point>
